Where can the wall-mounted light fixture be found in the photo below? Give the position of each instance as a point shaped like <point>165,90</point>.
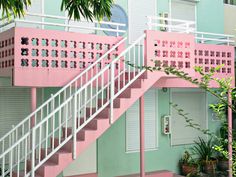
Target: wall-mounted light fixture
<point>164,89</point>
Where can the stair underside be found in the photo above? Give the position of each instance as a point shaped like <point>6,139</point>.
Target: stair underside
<point>95,128</point>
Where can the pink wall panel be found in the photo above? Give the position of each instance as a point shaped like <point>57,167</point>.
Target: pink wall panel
<point>170,49</point>
<point>207,56</point>
<point>47,58</point>
<point>52,58</point>
<point>6,53</point>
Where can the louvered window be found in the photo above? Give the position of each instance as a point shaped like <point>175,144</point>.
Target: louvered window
<point>132,123</point>
<point>193,103</point>
<point>14,106</point>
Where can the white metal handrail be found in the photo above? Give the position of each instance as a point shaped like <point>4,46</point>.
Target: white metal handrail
<point>66,18</point>
<point>215,38</point>
<point>87,98</point>
<point>170,24</point>
<point>185,26</point>
<point>65,23</point>
<point>25,125</point>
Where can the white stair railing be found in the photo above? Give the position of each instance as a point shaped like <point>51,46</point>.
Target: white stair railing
<point>61,118</point>
<point>8,141</point>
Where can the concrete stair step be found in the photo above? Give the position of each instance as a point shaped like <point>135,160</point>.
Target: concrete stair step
<point>116,103</point>
<point>121,83</point>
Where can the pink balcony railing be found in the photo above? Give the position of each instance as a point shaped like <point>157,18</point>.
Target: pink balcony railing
<point>183,52</point>
<point>171,49</point>
<point>35,57</point>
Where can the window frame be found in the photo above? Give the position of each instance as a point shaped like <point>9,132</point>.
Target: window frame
<point>230,2</point>
<point>156,126</point>
<point>130,5</point>
<point>185,1</point>
<point>192,90</point>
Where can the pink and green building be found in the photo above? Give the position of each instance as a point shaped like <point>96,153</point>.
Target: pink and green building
<point>71,105</point>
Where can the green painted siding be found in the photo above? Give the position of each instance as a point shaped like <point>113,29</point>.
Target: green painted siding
<point>114,161</point>
<point>210,16</point>
<point>162,6</point>
<point>112,158</point>
<point>53,7</point>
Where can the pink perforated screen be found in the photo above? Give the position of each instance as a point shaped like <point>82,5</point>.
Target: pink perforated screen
<point>170,49</point>
<point>209,56</point>
<point>52,58</point>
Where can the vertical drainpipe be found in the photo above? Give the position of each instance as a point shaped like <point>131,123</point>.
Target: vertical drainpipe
<point>33,103</point>
<point>230,150</point>
<point>142,142</point>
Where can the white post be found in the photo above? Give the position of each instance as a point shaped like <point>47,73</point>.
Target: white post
<point>33,152</point>
<point>112,74</point>
<point>202,40</point>
<point>42,6</point>
<point>117,29</point>
<point>74,126</point>
<point>149,23</point>
<point>187,27</point>
<point>66,22</point>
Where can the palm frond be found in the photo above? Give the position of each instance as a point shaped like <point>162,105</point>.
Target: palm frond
<point>15,7</point>
<point>89,9</point>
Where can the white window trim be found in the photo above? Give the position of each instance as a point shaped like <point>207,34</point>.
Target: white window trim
<point>192,1</point>
<point>157,122</point>
<point>129,28</point>
<point>206,112</point>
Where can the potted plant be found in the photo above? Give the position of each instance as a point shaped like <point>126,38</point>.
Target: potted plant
<point>187,164</point>
<point>222,148</point>
<point>206,154</point>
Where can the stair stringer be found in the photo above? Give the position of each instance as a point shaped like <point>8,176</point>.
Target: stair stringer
<point>152,78</point>
<point>64,156</point>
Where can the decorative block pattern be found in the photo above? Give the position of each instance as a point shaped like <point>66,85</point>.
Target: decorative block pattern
<point>52,58</point>
<point>170,49</point>
<point>6,52</point>
<point>181,51</point>
<point>209,56</point>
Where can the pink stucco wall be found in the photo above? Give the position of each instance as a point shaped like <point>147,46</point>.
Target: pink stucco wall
<point>181,51</point>
<point>45,58</point>
<point>6,53</point>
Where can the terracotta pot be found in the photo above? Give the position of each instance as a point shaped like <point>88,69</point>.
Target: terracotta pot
<point>209,167</point>
<point>223,165</point>
<point>187,169</point>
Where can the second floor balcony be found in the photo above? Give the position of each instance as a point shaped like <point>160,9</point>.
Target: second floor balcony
<point>39,56</point>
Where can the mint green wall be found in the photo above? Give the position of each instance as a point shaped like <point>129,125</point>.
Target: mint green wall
<point>53,7</point>
<point>162,6</point>
<point>113,159</point>
<point>5,82</point>
<point>210,16</point>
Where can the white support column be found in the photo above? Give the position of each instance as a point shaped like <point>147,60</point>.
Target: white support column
<point>33,103</point>
<point>112,90</point>
<point>74,126</point>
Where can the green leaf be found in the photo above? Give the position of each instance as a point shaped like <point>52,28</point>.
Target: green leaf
<point>89,9</point>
